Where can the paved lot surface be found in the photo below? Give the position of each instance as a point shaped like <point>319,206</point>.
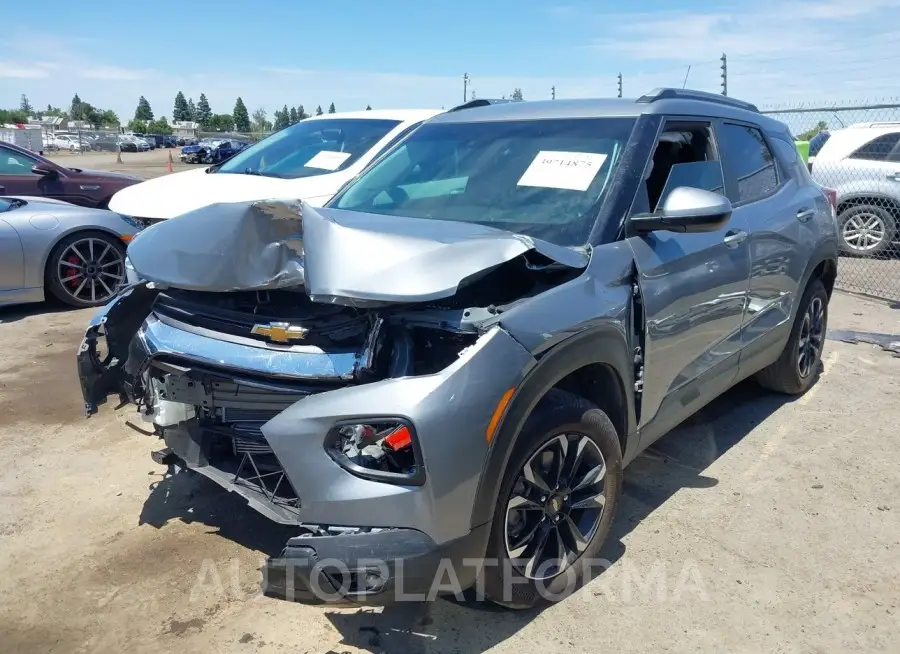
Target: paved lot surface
<point>762,525</point>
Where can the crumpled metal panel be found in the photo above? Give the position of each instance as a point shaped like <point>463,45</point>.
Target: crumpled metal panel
<point>224,247</point>
<point>342,257</point>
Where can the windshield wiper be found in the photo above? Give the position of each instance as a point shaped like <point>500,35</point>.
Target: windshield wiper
<point>251,171</point>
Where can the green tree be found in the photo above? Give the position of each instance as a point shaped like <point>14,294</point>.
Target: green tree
<point>368,107</point>
<point>301,113</point>
<point>319,111</point>
<point>143,111</point>
<point>221,123</point>
<point>180,111</point>
<point>517,94</point>
<point>108,118</point>
<point>25,105</point>
<point>75,112</point>
<point>203,114</point>
<point>191,110</point>
<point>91,115</point>
<point>137,126</point>
<point>15,116</point>
<point>282,118</point>
<point>821,126</point>
<point>331,108</point>
<point>292,116</point>
<point>260,120</point>
<point>241,116</point>
<point>160,126</point>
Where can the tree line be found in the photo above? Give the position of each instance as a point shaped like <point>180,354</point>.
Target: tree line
<point>184,109</point>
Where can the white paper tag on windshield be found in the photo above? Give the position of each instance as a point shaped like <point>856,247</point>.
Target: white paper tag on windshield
<point>567,170</point>
<point>327,160</point>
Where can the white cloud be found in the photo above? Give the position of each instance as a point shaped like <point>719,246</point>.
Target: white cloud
<point>24,69</point>
<point>115,73</point>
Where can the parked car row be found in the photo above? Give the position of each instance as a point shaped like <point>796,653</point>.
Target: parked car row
<point>212,150</point>
<point>450,352</point>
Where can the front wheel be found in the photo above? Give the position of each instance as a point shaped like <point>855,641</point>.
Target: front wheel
<point>866,230</point>
<point>556,504</point>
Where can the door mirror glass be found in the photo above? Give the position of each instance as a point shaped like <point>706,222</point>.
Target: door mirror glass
<point>687,209</point>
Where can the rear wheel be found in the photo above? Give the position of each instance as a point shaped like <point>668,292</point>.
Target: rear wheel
<point>85,269</point>
<point>556,504</point>
<point>798,366</point>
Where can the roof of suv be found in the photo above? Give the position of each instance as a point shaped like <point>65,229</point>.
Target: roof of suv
<point>844,142</point>
<point>660,101</point>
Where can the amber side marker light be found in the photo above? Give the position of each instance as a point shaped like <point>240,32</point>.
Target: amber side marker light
<point>498,413</point>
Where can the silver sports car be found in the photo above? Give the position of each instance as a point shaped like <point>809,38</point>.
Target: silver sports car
<point>74,253</point>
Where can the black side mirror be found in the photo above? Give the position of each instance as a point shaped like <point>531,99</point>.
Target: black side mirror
<point>44,170</point>
<point>687,209</point>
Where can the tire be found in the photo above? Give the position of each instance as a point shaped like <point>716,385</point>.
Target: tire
<point>64,280</point>
<point>560,415</point>
<point>871,229</point>
<point>790,374</point>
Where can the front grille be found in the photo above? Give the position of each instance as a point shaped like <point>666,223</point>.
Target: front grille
<point>237,313</point>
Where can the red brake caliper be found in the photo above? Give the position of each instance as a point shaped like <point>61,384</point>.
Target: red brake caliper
<point>75,281</point>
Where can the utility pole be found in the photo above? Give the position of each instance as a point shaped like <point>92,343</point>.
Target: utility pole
<point>620,85</point>
<point>553,92</point>
<point>465,85</point>
<point>724,74</point>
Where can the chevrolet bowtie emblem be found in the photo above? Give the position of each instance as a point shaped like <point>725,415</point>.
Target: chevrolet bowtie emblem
<point>280,332</point>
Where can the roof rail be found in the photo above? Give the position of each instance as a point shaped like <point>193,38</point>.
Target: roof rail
<point>688,94</point>
<point>880,123</point>
<point>481,102</point>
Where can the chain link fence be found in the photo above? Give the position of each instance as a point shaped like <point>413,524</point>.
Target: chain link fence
<point>856,151</point>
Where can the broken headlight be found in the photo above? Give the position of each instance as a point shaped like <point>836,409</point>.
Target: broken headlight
<point>381,449</point>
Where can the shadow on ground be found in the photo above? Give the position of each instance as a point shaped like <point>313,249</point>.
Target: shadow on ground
<point>18,312</point>
<point>674,462</point>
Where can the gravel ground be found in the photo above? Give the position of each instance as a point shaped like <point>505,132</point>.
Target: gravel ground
<point>761,525</point>
<point>145,165</point>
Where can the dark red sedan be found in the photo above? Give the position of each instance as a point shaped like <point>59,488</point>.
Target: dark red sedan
<point>23,172</point>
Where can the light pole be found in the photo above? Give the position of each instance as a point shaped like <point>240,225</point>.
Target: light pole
<point>465,86</point>
<point>553,92</point>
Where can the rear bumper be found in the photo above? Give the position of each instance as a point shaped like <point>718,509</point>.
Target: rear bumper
<point>374,568</point>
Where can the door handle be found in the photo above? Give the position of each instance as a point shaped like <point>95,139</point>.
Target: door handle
<point>735,237</point>
<point>2,189</point>
<point>805,214</point>
<point>894,177</point>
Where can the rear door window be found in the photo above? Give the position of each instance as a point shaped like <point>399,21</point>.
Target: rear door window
<point>749,163</point>
<point>881,148</point>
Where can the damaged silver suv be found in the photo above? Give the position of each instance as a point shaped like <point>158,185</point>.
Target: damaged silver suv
<point>447,368</point>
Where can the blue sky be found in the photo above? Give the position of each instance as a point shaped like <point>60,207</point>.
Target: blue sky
<point>393,53</point>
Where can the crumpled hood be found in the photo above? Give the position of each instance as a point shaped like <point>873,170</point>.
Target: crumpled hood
<point>172,195</point>
<point>342,257</point>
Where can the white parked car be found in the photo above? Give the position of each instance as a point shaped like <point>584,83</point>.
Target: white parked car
<point>310,160</point>
<point>67,142</point>
<point>862,162</point>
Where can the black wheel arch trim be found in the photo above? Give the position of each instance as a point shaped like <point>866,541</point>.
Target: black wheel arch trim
<point>826,251</point>
<point>604,343</point>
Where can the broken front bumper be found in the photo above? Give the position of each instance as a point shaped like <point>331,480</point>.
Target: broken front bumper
<point>448,413</point>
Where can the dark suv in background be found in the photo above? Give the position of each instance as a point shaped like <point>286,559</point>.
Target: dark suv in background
<point>453,361</point>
